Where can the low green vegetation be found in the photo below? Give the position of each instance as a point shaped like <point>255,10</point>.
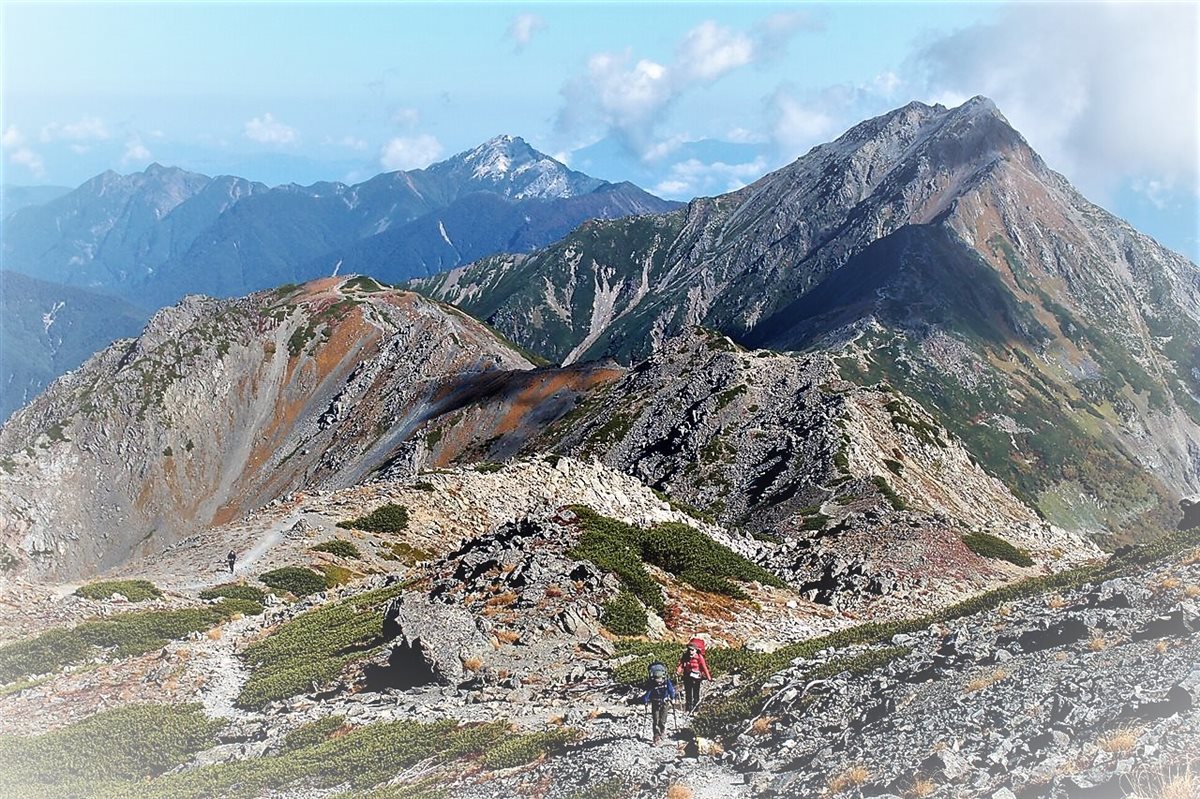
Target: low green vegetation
<point>314,647</point>
<point>125,754</point>
<point>895,500</point>
<point>384,519</point>
<point>518,750</point>
<point>296,580</point>
<point>312,733</point>
<point>133,590</point>
<point>123,635</point>
<point>624,615</point>
<point>676,548</point>
<point>235,591</point>
<point>405,553</point>
<point>127,744</point>
<point>989,546</point>
<point>336,575</point>
<point>488,467</point>
<point>340,547</point>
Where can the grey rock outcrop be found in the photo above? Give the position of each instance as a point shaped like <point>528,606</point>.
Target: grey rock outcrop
<point>430,640</point>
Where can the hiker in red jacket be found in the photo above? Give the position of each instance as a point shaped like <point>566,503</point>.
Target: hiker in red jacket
<point>693,668</point>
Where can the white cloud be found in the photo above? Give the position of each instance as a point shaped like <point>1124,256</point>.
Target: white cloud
<point>13,141</point>
<point>887,83</point>
<point>28,159</point>
<point>797,125</point>
<point>709,50</point>
<point>521,29</point>
<point>627,97</point>
<point>86,129</point>
<point>135,152</point>
<point>80,149</point>
<point>354,143</point>
<point>1157,192</point>
<point>12,137</point>
<point>1105,92</point>
<point>268,130</point>
<point>693,178</point>
<point>406,117</point>
<point>410,153</point>
<point>745,136</point>
<point>773,33</point>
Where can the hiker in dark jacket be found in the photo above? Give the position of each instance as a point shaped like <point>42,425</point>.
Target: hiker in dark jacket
<point>659,691</point>
<point>232,558</point>
<point>693,668</point>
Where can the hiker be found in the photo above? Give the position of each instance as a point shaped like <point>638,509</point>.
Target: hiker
<point>232,558</point>
<point>659,691</point>
<point>693,668</point>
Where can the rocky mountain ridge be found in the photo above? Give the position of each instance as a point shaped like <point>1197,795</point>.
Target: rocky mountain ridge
<point>933,249</point>
<point>222,406</point>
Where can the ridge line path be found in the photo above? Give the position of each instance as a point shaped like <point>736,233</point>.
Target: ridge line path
<point>266,542</point>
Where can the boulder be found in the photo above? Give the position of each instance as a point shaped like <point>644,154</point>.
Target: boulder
<point>430,640</point>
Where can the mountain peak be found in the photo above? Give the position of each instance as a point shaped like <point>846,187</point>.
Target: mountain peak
<point>508,165</point>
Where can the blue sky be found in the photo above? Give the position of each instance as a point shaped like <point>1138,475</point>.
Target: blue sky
<point>304,92</point>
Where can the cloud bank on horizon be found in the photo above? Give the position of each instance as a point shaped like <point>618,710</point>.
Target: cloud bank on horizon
<point>685,100</point>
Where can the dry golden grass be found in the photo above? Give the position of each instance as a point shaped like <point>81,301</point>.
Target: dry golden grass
<point>678,791</point>
<point>1055,602</point>
<point>473,664</point>
<point>1183,784</point>
<point>1161,647</point>
<point>1120,741</point>
<point>921,787</point>
<point>1165,584</point>
<point>1004,611</point>
<point>1191,591</point>
<point>1097,644</point>
<point>556,721</point>
<point>850,778</point>
<point>1192,558</point>
<point>214,634</point>
<point>506,636</point>
<point>502,600</point>
<point>979,683</point>
<point>762,725</point>
<point>553,591</point>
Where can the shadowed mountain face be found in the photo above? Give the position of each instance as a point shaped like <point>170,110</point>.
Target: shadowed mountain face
<point>47,329</point>
<point>155,236</point>
<point>221,406</point>
<point>931,248</point>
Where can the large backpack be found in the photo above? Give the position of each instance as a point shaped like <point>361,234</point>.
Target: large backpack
<point>658,673</point>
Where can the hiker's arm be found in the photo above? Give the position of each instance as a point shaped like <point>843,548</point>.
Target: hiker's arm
<point>704,668</point>
<point>671,689</point>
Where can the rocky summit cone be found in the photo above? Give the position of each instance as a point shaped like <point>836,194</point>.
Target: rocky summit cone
<point>930,248</point>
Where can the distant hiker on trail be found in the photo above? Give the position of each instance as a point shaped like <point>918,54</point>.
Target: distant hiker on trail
<point>694,668</point>
<point>232,558</point>
<point>659,691</point>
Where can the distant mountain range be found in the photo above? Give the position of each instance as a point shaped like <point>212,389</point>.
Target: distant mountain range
<point>930,248</point>
<point>153,236</point>
<point>14,198</point>
<point>47,329</point>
